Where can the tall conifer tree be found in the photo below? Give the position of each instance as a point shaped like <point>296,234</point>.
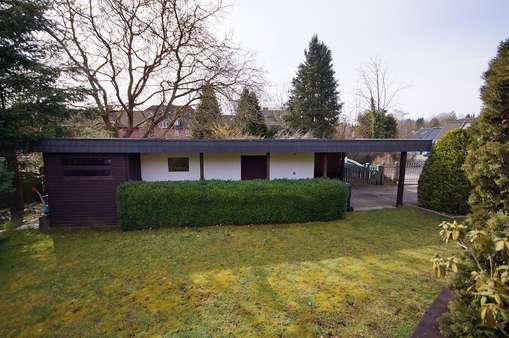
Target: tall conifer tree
<point>249,118</point>
<point>481,305</point>
<point>207,115</point>
<point>33,102</point>
<point>314,104</point>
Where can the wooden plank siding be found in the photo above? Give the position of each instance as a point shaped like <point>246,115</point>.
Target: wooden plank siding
<point>83,201</point>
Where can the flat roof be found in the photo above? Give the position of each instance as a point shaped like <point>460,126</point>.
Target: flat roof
<point>122,145</point>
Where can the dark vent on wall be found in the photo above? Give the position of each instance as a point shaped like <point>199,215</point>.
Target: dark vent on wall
<point>86,161</point>
<point>87,173</point>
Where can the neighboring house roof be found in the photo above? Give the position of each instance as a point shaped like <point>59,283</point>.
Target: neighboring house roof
<point>116,145</point>
<point>227,118</point>
<point>437,133</point>
<point>426,134</point>
<point>186,114</point>
<point>141,115</point>
<point>458,124</point>
<point>273,117</point>
<point>180,128</point>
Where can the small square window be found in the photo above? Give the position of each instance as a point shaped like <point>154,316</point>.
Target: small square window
<point>178,164</point>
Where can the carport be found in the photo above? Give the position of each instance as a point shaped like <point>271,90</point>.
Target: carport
<point>368,197</point>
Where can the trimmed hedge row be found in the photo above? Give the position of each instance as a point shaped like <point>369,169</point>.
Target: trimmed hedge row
<point>201,203</point>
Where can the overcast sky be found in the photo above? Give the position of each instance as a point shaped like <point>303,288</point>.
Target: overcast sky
<point>438,49</point>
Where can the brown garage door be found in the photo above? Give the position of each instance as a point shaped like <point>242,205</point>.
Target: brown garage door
<point>82,188</point>
<point>253,167</point>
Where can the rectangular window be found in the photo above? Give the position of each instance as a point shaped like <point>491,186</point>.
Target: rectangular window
<point>86,161</point>
<point>87,173</point>
<point>178,164</point>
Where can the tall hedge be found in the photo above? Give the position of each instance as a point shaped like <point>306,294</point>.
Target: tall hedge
<point>200,203</point>
<point>443,185</point>
<point>481,305</point>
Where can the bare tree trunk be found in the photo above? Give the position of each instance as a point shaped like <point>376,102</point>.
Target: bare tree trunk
<point>109,126</point>
<point>17,203</point>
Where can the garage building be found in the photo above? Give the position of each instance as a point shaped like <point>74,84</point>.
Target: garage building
<point>82,175</point>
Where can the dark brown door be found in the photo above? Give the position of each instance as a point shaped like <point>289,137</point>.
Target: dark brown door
<point>253,167</point>
<point>328,165</point>
<point>320,164</point>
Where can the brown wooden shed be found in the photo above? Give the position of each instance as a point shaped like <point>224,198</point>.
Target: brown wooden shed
<point>82,188</point>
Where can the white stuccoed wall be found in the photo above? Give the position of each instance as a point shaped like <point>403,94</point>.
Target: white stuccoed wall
<point>225,166</point>
<point>292,165</point>
<point>221,166</point>
<point>154,167</point>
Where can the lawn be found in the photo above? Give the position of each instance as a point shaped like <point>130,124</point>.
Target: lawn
<point>368,275</point>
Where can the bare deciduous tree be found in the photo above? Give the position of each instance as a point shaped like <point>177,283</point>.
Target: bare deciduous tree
<point>375,85</point>
<point>279,94</point>
<point>135,53</point>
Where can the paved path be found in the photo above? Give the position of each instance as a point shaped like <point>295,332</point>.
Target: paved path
<point>428,326</point>
<point>381,196</point>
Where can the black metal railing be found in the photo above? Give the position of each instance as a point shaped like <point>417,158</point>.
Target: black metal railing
<point>412,172</point>
<point>373,174</point>
<point>356,173</point>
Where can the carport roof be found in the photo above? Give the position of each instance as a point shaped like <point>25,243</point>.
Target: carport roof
<point>122,146</point>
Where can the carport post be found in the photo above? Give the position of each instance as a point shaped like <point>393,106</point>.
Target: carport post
<point>325,173</point>
<point>268,166</point>
<point>202,174</point>
<point>342,167</point>
<point>401,179</point>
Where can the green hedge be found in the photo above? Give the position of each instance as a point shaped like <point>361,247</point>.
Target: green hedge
<point>177,204</point>
<point>443,185</point>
